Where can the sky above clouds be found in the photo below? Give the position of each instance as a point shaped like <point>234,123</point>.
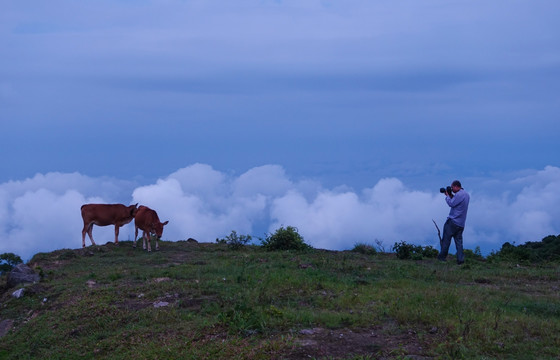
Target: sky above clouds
<point>342,118</point>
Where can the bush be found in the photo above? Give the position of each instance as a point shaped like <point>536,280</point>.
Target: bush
<point>430,252</point>
<point>234,241</point>
<point>405,251</point>
<point>476,254</point>
<point>531,252</point>
<point>8,261</point>
<point>285,239</point>
<point>415,252</point>
<point>363,248</point>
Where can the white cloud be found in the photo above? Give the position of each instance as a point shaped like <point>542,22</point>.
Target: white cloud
<point>268,180</point>
<point>388,212</point>
<point>204,204</point>
<point>523,209</point>
<point>42,213</point>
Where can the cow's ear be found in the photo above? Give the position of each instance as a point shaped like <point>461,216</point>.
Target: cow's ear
<point>136,205</point>
<point>165,223</point>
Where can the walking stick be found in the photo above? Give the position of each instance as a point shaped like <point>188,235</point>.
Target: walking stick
<point>438,233</point>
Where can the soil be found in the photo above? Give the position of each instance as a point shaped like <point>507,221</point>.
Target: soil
<point>380,342</point>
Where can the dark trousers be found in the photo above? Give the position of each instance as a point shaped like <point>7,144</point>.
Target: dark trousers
<point>451,230</point>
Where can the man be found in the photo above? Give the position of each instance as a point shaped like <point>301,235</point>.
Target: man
<point>455,223</point>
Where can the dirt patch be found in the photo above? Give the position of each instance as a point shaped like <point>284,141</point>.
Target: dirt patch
<point>378,343</point>
<point>134,303</point>
<point>6,326</point>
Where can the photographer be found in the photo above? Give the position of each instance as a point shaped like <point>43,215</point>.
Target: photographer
<point>455,224</point>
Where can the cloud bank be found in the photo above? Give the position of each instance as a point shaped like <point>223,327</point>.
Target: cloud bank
<point>42,213</point>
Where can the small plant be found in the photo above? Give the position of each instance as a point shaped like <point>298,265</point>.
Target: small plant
<point>430,252</point>
<point>406,251</point>
<point>8,261</point>
<point>284,239</point>
<point>234,241</point>
<point>363,248</point>
<point>380,245</point>
<point>476,254</point>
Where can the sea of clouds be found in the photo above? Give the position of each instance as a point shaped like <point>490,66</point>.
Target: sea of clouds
<point>42,213</point>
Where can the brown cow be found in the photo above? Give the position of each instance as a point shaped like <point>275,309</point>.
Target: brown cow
<point>147,220</point>
<point>103,215</point>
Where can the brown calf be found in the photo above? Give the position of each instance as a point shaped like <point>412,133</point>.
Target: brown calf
<point>103,215</point>
<point>147,220</point>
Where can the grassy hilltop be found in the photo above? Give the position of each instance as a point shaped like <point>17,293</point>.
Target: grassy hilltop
<point>207,301</point>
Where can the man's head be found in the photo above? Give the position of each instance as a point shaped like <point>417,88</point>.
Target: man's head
<point>456,186</point>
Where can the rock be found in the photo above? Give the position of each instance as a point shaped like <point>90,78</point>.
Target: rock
<point>310,331</point>
<point>161,304</point>
<point>22,274</point>
<point>18,293</point>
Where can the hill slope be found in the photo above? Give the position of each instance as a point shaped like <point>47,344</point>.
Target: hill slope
<point>196,301</point>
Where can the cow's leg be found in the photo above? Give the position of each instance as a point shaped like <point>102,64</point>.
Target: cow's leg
<point>157,243</point>
<point>84,231</point>
<point>89,232</point>
<point>149,241</point>
<point>116,234</point>
<point>135,236</point>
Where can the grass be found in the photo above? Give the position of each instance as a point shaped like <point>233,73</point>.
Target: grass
<point>203,301</point>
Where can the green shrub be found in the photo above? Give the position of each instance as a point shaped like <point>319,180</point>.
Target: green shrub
<point>284,239</point>
<point>531,252</point>
<point>363,248</point>
<point>8,261</point>
<point>406,251</point>
<point>234,241</point>
<point>510,252</point>
<point>429,252</point>
<point>476,254</point>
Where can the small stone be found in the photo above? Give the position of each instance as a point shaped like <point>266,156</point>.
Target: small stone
<point>18,293</point>
<point>161,304</point>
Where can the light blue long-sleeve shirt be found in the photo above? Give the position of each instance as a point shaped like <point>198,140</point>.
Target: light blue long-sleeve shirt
<point>459,205</point>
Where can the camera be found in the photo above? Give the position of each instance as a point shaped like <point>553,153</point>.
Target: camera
<point>448,189</point>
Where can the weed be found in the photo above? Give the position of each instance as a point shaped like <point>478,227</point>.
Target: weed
<point>234,241</point>
<point>363,248</point>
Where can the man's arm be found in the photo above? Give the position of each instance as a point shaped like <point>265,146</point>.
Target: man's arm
<point>455,200</point>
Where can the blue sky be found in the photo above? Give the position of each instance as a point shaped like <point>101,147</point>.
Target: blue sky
<point>345,117</point>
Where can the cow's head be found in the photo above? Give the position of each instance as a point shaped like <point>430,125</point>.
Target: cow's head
<point>133,209</point>
<point>157,228</point>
